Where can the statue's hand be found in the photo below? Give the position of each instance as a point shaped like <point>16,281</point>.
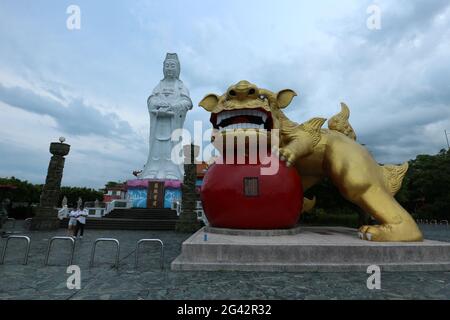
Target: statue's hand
<point>163,112</point>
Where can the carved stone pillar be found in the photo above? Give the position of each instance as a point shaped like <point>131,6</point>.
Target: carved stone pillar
<point>46,215</point>
<point>187,221</point>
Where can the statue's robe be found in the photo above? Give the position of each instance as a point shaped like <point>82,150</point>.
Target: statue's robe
<point>163,121</point>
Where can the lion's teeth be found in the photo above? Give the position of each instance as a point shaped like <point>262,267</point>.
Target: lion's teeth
<point>224,115</point>
<point>264,117</point>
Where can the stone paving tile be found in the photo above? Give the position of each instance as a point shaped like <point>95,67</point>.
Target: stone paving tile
<point>34,281</point>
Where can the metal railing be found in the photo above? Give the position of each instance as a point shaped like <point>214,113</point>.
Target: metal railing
<point>27,239</point>
<point>138,244</point>
<point>91,263</point>
<point>72,252</point>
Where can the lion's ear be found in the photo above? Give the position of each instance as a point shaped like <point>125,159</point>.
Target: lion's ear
<point>209,102</point>
<point>284,97</point>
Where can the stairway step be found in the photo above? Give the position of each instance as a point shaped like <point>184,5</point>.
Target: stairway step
<point>127,224</point>
<point>143,214</point>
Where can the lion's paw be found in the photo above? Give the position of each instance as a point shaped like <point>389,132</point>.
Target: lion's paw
<point>286,154</point>
<point>390,232</point>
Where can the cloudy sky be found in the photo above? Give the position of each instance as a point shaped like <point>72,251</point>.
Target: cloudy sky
<point>91,85</point>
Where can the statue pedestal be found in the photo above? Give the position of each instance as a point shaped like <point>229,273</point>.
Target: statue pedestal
<point>45,219</point>
<point>305,249</point>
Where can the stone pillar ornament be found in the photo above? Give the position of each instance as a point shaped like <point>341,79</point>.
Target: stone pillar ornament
<point>46,214</point>
<point>167,106</point>
<point>187,221</point>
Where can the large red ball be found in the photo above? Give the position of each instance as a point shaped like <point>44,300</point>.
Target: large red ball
<point>237,196</point>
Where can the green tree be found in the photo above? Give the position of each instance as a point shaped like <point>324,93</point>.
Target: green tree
<point>23,192</point>
<point>426,188</point>
<point>30,193</point>
<point>86,194</point>
<point>425,192</point>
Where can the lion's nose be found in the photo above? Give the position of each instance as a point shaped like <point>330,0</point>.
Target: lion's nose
<point>243,90</point>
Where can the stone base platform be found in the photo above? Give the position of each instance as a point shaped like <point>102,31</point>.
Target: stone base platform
<point>44,219</point>
<point>307,249</point>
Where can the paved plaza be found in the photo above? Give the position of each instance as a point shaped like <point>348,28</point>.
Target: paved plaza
<point>104,282</point>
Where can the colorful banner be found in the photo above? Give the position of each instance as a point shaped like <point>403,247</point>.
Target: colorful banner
<point>170,196</point>
<point>138,197</point>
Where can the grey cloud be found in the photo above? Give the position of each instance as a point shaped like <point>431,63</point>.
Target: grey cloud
<point>31,164</point>
<point>406,18</point>
<point>77,118</point>
<point>23,162</point>
<point>396,91</point>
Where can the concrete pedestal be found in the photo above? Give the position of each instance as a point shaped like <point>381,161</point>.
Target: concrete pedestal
<point>306,249</point>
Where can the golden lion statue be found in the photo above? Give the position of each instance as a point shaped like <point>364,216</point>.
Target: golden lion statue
<point>317,153</point>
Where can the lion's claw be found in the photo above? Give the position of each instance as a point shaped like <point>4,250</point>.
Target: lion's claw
<point>286,154</point>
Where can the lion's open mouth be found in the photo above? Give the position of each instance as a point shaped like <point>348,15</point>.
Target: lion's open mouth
<point>242,119</point>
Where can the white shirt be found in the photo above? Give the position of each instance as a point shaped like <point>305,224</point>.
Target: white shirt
<point>81,216</point>
<point>73,216</point>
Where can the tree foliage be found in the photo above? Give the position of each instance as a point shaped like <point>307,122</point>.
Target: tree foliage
<point>425,192</point>
<point>30,193</point>
<point>426,189</point>
<point>24,191</point>
<point>112,184</point>
<point>86,194</point>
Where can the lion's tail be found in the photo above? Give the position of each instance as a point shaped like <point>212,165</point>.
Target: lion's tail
<point>340,122</point>
<point>393,176</point>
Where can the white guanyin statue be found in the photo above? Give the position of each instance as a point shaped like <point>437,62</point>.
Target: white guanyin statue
<point>167,105</point>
